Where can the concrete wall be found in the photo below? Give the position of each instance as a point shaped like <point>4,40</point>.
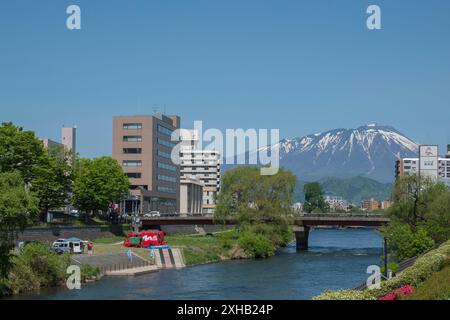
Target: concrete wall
<point>49,235</point>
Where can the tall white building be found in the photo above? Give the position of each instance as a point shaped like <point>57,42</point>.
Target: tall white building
<point>428,163</point>
<point>202,164</point>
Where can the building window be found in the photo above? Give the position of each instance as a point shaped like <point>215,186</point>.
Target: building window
<point>164,154</point>
<point>164,130</point>
<point>134,175</point>
<point>132,138</point>
<point>163,177</point>
<point>166,143</point>
<point>132,163</point>
<point>131,126</point>
<point>132,150</point>
<point>167,190</point>
<point>167,166</point>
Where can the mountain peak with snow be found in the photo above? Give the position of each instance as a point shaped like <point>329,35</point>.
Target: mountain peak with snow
<point>369,150</point>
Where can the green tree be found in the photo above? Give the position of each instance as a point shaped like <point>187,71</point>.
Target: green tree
<point>404,242</point>
<point>53,182</point>
<point>98,182</point>
<point>420,216</point>
<point>314,198</point>
<point>20,150</point>
<point>17,208</point>
<point>262,206</point>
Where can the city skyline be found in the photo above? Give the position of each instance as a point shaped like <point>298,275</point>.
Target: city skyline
<point>302,67</point>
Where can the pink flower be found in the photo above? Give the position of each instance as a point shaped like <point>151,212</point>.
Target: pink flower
<point>389,297</point>
<point>405,290</point>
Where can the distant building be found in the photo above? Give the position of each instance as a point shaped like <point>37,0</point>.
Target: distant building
<point>143,145</point>
<point>205,165</point>
<point>191,196</point>
<point>385,204</point>
<point>68,141</point>
<point>428,164</point>
<point>50,144</point>
<point>370,205</point>
<point>337,203</point>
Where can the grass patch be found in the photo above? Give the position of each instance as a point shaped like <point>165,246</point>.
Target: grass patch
<point>204,249</point>
<point>437,287</point>
<point>109,240</point>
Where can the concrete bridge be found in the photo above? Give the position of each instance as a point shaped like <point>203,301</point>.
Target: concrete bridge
<point>302,223</point>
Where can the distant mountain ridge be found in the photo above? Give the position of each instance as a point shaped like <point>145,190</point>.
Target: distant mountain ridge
<point>368,151</point>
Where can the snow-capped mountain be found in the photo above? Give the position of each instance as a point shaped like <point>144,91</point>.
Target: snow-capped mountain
<point>368,151</point>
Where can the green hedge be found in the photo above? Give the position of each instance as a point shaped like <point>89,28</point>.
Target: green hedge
<point>39,267</point>
<point>416,275</point>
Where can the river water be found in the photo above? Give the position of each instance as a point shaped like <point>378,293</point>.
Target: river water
<point>337,259</point>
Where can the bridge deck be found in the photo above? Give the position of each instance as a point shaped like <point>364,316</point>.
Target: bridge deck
<point>322,220</point>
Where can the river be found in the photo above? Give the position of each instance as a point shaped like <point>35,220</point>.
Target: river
<point>337,259</point>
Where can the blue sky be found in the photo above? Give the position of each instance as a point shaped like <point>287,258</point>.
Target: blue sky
<point>300,66</point>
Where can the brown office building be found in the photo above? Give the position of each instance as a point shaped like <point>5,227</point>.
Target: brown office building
<point>142,145</point>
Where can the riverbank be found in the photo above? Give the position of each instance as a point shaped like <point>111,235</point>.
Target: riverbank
<point>336,259</point>
<point>423,277</point>
<point>205,249</point>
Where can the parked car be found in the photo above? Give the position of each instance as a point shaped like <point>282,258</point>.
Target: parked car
<point>61,247</point>
<point>155,214</point>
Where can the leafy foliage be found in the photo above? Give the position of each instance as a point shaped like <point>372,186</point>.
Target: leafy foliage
<point>262,206</point>
<point>314,198</point>
<point>404,243</point>
<point>53,182</point>
<point>256,244</point>
<point>420,216</point>
<point>20,151</point>
<point>98,183</point>
<point>17,208</point>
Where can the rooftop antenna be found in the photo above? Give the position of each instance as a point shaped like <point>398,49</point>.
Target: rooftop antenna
<point>155,109</point>
<point>165,108</point>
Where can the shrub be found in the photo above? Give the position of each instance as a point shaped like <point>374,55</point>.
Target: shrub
<point>23,279</point>
<point>46,265</point>
<point>37,267</point>
<point>437,287</point>
<point>256,245</point>
<point>346,295</point>
<point>89,272</point>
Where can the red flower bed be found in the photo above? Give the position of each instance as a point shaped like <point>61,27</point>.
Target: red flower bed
<point>397,294</point>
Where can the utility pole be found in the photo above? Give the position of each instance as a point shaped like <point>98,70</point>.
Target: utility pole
<point>386,272</point>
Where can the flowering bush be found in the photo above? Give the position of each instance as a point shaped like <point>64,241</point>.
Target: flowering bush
<point>397,294</point>
<point>403,284</point>
<point>389,297</point>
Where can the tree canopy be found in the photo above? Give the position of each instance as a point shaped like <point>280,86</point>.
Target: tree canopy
<point>420,216</point>
<point>262,206</point>
<point>98,182</point>
<point>314,198</point>
<point>17,208</point>
<point>20,150</point>
<point>53,182</point>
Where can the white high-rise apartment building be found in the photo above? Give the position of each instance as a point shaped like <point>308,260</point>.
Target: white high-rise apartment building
<point>201,164</point>
<point>428,164</point>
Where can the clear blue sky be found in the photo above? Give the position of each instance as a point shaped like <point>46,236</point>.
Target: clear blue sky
<point>301,66</point>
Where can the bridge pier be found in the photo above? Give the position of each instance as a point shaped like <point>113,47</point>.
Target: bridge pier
<point>302,237</point>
